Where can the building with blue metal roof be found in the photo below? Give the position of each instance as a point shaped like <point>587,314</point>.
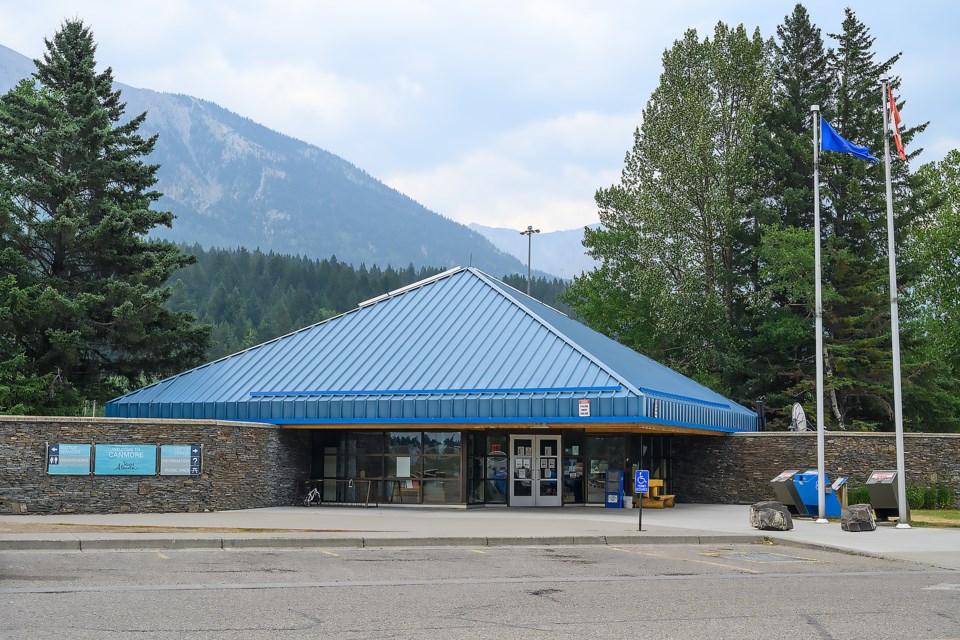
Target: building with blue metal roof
<point>455,389</point>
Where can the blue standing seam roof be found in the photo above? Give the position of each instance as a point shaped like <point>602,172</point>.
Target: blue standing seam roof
<point>458,348</point>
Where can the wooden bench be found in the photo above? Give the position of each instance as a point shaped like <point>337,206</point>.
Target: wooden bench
<point>655,498</point>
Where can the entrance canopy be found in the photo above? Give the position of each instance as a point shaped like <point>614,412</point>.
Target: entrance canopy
<point>460,348</point>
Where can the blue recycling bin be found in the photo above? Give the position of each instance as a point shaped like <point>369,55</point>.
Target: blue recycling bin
<point>613,489</point>
<point>806,485</point>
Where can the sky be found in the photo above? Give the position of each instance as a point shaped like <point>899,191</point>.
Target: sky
<point>504,113</point>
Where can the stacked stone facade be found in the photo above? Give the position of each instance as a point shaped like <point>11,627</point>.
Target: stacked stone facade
<point>248,465</point>
<point>737,469</point>
<point>245,466</point>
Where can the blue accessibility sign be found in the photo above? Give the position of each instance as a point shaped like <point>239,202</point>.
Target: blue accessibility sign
<point>641,481</point>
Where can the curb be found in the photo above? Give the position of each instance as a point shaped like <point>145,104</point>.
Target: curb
<point>231,543</point>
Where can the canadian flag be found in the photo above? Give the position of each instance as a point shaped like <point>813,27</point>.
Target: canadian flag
<point>895,116</point>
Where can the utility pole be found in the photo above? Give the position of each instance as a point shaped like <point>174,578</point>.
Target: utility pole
<point>529,233</point>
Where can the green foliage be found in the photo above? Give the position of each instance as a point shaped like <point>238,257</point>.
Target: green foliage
<point>916,496</point>
<point>674,246</point>
<point>706,253</point>
<point>858,495</point>
<point>944,497</point>
<point>83,282</point>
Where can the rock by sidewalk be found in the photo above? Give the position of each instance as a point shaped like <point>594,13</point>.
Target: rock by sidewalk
<point>770,515</point>
<point>858,517</point>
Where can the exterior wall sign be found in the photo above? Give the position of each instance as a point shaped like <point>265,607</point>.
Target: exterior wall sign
<point>68,459</point>
<point>180,459</point>
<point>584,408</point>
<point>125,460</point>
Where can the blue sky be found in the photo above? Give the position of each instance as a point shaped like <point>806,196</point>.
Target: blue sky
<point>505,113</point>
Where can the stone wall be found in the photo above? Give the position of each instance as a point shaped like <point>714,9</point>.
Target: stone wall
<point>244,466</point>
<point>738,468</point>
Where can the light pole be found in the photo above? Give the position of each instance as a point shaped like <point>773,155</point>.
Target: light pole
<point>529,233</point>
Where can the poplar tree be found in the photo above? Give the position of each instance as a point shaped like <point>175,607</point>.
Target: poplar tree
<point>75,208</point>
<point>674,249</point>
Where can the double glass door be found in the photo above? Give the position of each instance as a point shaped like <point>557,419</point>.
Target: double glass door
<point>535,471</point>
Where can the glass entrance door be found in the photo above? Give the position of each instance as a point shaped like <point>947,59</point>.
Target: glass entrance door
<point>535,471</point>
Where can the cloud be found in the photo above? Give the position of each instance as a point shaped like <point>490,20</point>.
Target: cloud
<point>488,111</point>
<point>541,174</point>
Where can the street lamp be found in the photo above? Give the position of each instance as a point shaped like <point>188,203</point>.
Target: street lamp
<point>529,233</point>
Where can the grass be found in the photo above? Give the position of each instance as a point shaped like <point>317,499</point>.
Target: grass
<point>935,517</point>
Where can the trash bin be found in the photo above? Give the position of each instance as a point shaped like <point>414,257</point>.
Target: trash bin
<point>809,492</point>
<point>786,492</point>
<point>884,496</point>
<point>839,487</point>
<point>613,489</point>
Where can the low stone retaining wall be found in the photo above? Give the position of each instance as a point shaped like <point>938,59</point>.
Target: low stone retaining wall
<point>737,469</point>
<point>245,466</point>
<point>250,465</point>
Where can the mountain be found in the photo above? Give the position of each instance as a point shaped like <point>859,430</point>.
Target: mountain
<point>557,252</point>
<point>235,183</point>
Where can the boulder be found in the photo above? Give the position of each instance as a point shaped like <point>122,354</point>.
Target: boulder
<point>770,515</point>
<point>858,517</point>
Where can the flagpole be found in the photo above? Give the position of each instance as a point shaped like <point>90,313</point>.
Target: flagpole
<point>894,320</point>
<point>818,315</point>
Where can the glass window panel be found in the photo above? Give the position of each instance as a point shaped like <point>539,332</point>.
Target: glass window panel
<point>442,442</point>
<point>549,448</point>
<point>441,491</point>
<point>520,446</point>
<point>548,487</point>
<point>476,443</point>
<point>476,491</point>
<point>496,444</point>
<point>403,466</point>
<point>441,466</point>
<point>522,488</point>
<point>369,467</point>
<point>403,442</point>
<point>497,467</point>
<point>496,491</point>
<point>363,443</point>
<point>476,470</point>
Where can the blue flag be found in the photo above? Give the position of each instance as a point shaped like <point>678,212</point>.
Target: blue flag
<point>830,140</point>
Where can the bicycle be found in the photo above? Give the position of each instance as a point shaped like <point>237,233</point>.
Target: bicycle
<point>313,497</point>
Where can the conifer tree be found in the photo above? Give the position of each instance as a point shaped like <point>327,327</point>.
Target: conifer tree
<point>75,198</point>
<point>856,306</point>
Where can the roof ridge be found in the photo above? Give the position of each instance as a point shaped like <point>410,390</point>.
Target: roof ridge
<point>410,287</point>
<point>561,335</point>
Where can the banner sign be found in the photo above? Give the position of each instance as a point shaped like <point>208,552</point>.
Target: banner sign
<point>584,408</point>
<point>125,460</point>
<point>68,459</point>
<point>180,459</point>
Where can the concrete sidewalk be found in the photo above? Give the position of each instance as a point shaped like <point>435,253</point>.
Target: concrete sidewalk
<point>425,526</point>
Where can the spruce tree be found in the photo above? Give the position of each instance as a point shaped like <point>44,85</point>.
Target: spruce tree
<point>75,208</point>
<point>856,306</point>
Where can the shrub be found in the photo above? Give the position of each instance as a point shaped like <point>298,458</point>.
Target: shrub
<point>915,496</point>
<point>930,498</point>
<point>858,495</point>
<point>946,498</point>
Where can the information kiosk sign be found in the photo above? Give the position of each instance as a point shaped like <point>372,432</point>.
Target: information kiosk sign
<point>68,459</point>
<point>180,459</point>
<point>125,460</point>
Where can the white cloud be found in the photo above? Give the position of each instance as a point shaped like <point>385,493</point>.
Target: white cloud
<point>494,111</point>
<point>536,175</point>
